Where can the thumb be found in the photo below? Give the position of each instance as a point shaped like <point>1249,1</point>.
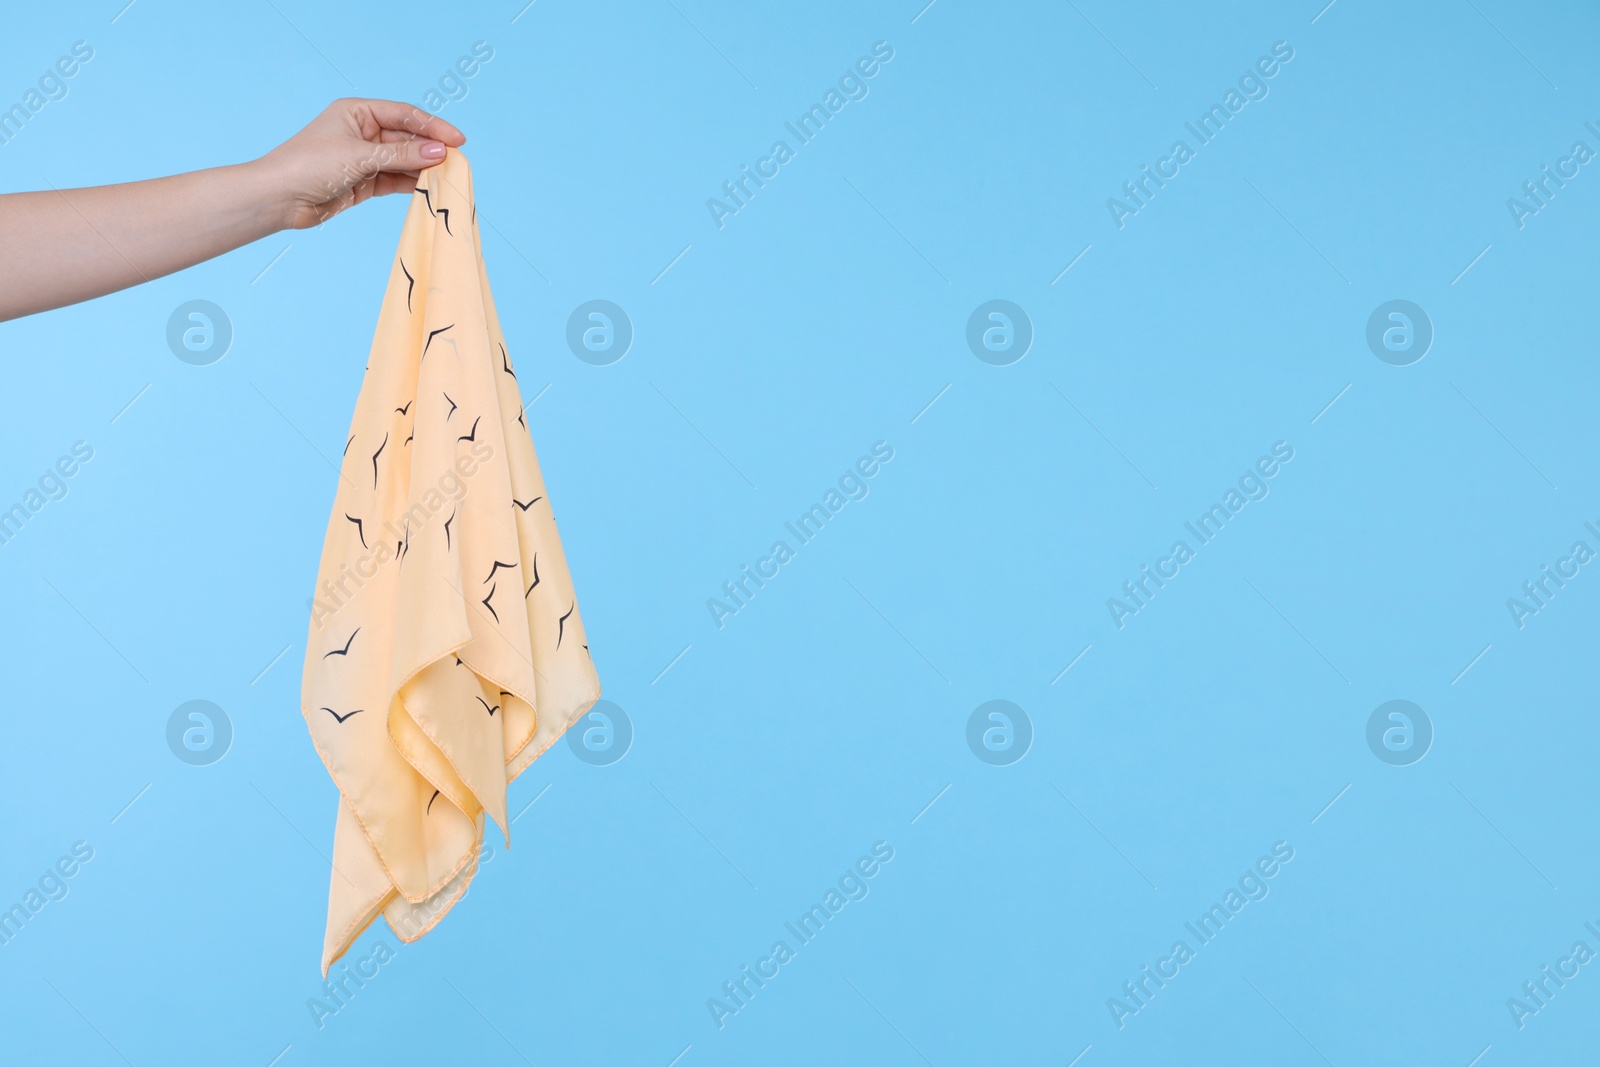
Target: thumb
<point>409,155</point>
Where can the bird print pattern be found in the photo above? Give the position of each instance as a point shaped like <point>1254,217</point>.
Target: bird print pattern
<point>420,573</point>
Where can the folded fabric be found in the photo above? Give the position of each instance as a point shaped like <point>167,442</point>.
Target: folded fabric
<point>446,651</point>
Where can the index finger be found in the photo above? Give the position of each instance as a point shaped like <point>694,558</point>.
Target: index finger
<point>407,118</point>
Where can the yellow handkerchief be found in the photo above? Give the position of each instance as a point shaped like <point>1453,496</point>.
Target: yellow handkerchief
<point>446,651</point>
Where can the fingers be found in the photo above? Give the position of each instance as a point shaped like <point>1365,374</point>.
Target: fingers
<point>408,156</point>
<point>402,182</point>
<point>402,118</point>
<point>384,184</point>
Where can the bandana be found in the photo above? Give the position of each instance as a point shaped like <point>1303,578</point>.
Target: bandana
<point>446,651</point>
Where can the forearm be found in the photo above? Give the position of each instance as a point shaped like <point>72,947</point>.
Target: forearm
<point>65,245</point>
<point>59,247</point>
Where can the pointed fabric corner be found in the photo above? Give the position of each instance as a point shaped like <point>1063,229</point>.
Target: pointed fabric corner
<point>446,650</point>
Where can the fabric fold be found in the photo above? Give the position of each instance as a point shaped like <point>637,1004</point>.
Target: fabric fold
<point>446,650</point>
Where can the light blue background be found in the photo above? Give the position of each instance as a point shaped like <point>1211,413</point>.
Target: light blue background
<point>822,718</point>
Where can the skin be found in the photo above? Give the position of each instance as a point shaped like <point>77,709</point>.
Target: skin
<point>68,245</point>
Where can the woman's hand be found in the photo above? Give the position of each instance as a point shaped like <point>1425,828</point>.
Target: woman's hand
<point>354,150</point>
<point>67,245</point>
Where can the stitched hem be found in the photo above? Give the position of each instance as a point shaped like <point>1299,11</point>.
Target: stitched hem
<point>448,905</point>
<point>389,728</point>
<point>505,830</point>
<point>583,710</point>
<point>355,813</point>
<point>355,929</point>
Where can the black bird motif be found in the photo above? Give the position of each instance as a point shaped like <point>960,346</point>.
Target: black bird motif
<point>432,335</point>
<point>490,597</point>
<point>473,436</point>
<point>347,445</point>
<point>429,809</point>
<point>528,505</point>
<point>506,363</point>
<point>345,651</point>
<point>360,532</point>
<point>561,629</point>
<point>490,710</point>
<point>497,566</point>
<point>341,718</point>
<point>535,576</point>
<point>521,419</point>
<point>458,661</point>
<point>453,406</point>
<point>411,283</point>
<point>426,199</point>
<point>375,456</point>
<point>407,408</point>
<point>408,440</point>
<point>447,523</point>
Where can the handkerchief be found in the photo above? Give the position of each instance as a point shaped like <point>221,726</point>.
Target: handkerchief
<point>446,650</point>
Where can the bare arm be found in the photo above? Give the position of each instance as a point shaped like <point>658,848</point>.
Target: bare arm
<point>64,246</point>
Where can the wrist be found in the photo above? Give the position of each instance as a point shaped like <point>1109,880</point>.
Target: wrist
<point>267,191</point>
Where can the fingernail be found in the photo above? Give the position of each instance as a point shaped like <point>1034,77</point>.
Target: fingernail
<point>433,150</point>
